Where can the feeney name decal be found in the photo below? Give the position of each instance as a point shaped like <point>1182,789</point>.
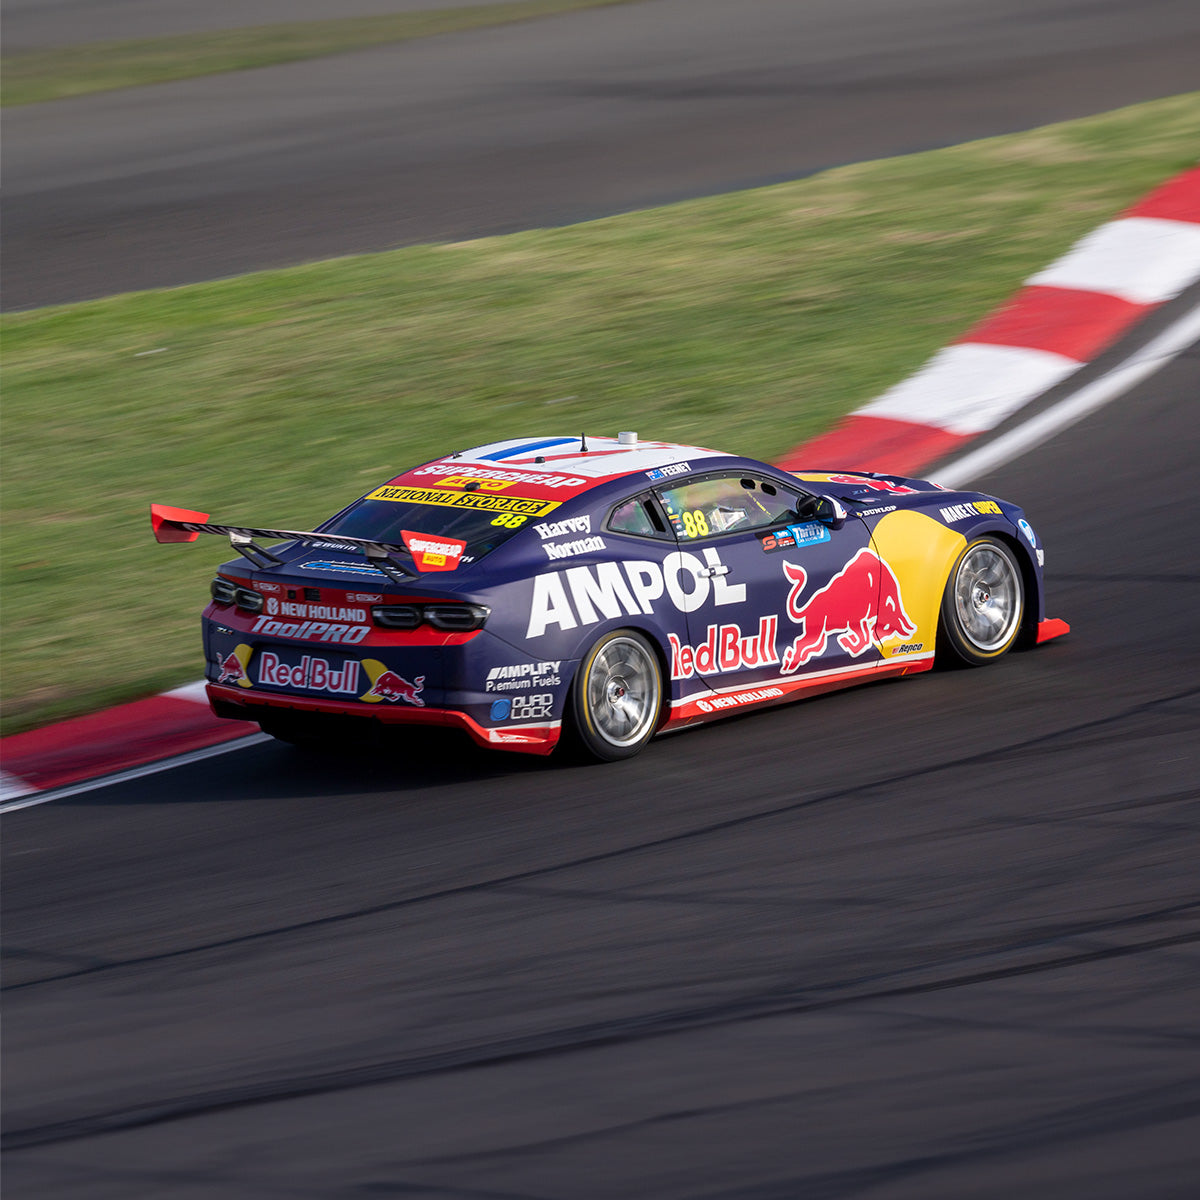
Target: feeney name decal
<point>725,649</point>
<point>669,472</point>
<point>317,674</point>
<point>585,595</point>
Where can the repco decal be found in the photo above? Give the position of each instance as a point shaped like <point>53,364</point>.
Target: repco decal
<point>862,600</point>
<point>585,595</point>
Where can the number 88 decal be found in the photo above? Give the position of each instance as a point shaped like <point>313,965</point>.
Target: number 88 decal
<point>695,524</point>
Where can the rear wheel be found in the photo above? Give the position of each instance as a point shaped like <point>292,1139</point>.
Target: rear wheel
<point>616,696</point>
<point>983,604</point>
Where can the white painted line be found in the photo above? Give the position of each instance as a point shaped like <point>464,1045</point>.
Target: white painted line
<point>11,787</point>
<point>1144,260</point>
<point>164,764</point>
<point>190,691</point>
<point>970,387</point>
<point>1138,366</point>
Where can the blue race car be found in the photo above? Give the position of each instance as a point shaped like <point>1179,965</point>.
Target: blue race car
<point>606,589</point>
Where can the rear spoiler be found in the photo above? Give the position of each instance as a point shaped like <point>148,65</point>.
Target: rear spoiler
<point>183,525</point>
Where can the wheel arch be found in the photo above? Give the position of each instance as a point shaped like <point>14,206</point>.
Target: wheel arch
<point>652,633</point>
<point>1030,580</point>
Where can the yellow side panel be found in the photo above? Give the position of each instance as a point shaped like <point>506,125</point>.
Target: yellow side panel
<point>920,552</point>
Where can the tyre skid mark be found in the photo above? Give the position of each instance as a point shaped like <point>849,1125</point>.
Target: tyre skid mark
<point>1042,741</point>
<point>620,1031</point>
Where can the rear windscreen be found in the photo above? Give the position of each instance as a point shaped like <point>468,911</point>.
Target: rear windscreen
<point>481,520</point>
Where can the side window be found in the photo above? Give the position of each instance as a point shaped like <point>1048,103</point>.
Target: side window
<point>638,517</point>
<point>726,504</point>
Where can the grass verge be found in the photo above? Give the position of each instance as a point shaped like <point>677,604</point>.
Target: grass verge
<point>746,321</point>
<point>55,73</point>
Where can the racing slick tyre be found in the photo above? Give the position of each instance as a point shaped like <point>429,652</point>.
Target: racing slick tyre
<point>616,697</point>
<point>983,604</point>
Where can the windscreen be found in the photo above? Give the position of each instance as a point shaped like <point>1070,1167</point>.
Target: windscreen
<point>479,520</point>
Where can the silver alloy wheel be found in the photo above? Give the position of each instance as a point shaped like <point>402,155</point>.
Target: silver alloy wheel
<point>987,597</point>
<point>622,691</point>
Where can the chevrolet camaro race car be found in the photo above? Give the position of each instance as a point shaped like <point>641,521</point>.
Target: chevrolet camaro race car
<point>605,590</point>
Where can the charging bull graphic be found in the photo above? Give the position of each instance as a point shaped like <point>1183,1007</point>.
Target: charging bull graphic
<point>877,485</point>
<point>233,666</point>
<point>862,599</point>
<point>387,685</point>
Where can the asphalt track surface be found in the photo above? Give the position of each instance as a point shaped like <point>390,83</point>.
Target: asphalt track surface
<point>542,123</point>
<point>37,24</point>
<point>930,938</point>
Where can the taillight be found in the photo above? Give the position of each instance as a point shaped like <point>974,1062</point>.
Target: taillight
<point>225,592</point>
<point>456,618</point>
<point>449,618</point>
<point>250,601</point>
<point>397,616</point>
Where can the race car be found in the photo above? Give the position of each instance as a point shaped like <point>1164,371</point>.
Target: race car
<point>602,590</point>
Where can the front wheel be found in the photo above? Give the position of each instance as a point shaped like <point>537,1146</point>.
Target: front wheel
<point>616,696</point>
<point>983,604</point>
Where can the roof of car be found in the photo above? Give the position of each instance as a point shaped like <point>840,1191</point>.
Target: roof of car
<point>559,466</point>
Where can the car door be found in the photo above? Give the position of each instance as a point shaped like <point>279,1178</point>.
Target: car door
<point>785,592</point>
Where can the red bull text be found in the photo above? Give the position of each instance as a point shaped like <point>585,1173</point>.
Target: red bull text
<point>725,649</point>
<point>316,674</point>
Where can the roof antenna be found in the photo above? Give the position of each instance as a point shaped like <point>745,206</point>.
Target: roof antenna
<point>583,443</point>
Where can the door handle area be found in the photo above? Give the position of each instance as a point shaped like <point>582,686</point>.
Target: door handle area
<point>708,572</point>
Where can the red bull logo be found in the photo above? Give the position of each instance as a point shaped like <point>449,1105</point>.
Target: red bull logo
<point>233,666</point>
<point>312,672</point>
<point>388,685</point>
<point>860,604</point>
<point>878,485</point>
<point>725,649</point>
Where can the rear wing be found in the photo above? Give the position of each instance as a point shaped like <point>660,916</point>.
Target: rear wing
<point>183,525</point>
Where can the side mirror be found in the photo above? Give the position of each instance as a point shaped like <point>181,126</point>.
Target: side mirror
<point>826,509</point>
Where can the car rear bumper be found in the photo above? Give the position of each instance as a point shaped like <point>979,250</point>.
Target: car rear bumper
<point>236,704</point>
